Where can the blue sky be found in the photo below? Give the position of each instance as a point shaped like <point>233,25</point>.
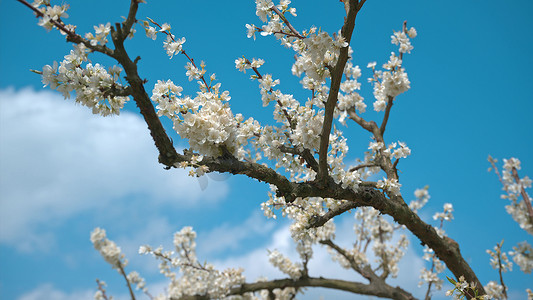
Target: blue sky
<point>64,171</point>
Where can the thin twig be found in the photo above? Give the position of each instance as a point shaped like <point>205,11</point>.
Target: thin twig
<point>102,289</point>
<point>259,76</point>
<point>361,166</point>
<point>500,265</point>
<point>132,294</point>
<point>280,32</point>
<point>167,32</point>
<point>71,36</point>
<point>527,200</point>
<point>291,28</point>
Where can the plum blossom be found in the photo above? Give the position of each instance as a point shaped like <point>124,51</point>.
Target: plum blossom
<point>390,185</point>
<point>523,256</point>
<point>101,33</point>
<point>173,46</point>
<point>263,9</point>
<point>422,197</point>
<point>92,84</point>
<point>196,278</point>
<point>108,249</point>
<point>284,264</point>
<point>291,145</point>
<point>446,215</point>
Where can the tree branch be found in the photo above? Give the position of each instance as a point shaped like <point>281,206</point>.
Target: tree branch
<point>123,273</point>
<point>371,289</point>
<point>71,35</point>
<point>167,152</point>
<point>131,19</point>
<point>364,270</point>
<point>445,248</point>
<point>291,28</point>
<point>386,116</point>
<point>305,154</point>
<point>336,77</point>
<point>524,194</point>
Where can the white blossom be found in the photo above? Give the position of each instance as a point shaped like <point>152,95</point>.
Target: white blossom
<point>446,215</point>
<point>173,46</point>
<point>284,264</point>
<point>523,256</point>
<point>92,84</point>
<point>494,290</point>
<point>108,249</point>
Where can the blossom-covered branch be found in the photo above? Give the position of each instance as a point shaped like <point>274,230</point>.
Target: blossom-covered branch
<point>302,157</point>
<point>336,77</point>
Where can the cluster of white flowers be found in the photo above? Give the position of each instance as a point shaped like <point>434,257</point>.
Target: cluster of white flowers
<point>308,128</point>
<point>196,278</point>
<point>372,227</point>
<point>265,11</point>
<point>446,215</point>
<point>242,64</point>
<point>390,185</point>
<point>517,208</point>
<point>350,98</point>
<point>389,255</point>
<point>194,72</point>
<point>422,197</point>
<point>401,152</point>
<point>266,83</point>
<point>389,84</point>
<point>206,121</point>
<point>93,84</point>
<point>393,81</point>
<point>152,31</point>
<point>358,257</point>
<point>173,45</point>
<point>402,38</point>
<point>108,249</point>
<point>462,288</point>
<point>391,151</point>
<point>431,276</point>
<point>284,264</point>
<point>50,13</point>
<point>301,211</point>
<point>136,279</point>
<point>523,256</point>
<point>287,293</point>
<point>494,290</point>
<point>499,259</point>
<point>100,36</point>
<point>316,52</point>
<point>100,294</point>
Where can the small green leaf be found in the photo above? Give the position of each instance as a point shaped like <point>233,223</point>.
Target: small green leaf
<point>451,280</point>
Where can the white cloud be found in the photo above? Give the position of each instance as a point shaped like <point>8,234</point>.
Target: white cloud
<point>58,160</point>
<point>230,237</point>
<point>49,292</point>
